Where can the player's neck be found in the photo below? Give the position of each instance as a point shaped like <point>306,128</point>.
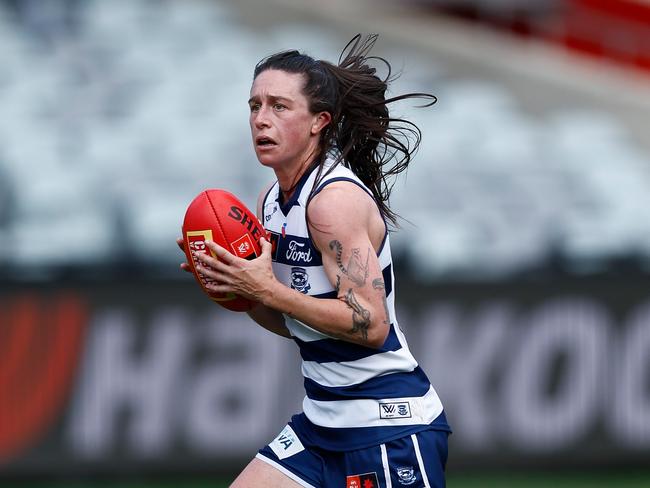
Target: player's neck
<point>289,179</point>
<point>288,184</point>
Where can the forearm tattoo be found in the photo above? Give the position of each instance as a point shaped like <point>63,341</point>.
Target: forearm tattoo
<point>360,316</point>
<point>356,270</point>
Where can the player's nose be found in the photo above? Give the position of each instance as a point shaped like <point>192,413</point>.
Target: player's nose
<point>261,119</point>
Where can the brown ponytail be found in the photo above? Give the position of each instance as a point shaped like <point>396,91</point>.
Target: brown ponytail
<point>362,135</point>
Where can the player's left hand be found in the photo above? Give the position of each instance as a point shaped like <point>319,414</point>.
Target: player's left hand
<point>251,279</point>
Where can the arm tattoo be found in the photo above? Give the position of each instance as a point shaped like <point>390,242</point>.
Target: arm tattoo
<point>357,270</point>
<point>360,316</point>
<point>339,250</point>
<point>338,284</point>
<point>378,284</point>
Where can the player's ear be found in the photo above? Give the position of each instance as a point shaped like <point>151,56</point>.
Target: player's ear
<point>321,120</point>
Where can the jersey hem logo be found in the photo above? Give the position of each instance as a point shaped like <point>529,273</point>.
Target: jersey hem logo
<point>394,410</point>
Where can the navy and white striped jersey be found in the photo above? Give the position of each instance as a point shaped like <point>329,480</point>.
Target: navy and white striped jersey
<point>356,396</point>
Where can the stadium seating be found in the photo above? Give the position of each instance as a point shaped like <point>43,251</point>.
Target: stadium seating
<point>108,131</point>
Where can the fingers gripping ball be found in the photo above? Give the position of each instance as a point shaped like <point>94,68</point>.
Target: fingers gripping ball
<point>219,216</point>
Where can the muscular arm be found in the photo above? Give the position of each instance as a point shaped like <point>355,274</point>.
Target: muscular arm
<point>346,227</point>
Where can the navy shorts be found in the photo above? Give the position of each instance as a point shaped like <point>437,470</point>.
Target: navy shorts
<point>413,461</point>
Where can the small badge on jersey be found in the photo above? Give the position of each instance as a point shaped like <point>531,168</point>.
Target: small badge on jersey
<point>406,475</point>
<point>286,444</point>
<point>366,480</point>
<point>269,210</point>
<point>300,279</point>
<point>394,410</point>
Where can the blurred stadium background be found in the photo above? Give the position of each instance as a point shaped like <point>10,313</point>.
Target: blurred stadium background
<point>523,268</point>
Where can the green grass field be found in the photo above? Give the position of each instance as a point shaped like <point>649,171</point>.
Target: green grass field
<point>620,479</point>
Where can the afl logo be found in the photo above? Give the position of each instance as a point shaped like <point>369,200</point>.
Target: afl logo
<point>300,280</point>
<point>40,347</point>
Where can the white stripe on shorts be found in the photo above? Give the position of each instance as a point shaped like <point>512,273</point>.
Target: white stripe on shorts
<point>367,412</point>
<point>284,471</point>
<point>418,455</point>
<point>384,461</point>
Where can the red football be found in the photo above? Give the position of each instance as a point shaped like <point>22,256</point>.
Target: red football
<point>219,216</point>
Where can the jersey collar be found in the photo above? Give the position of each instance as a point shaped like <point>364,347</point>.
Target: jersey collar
<point>285,207</point>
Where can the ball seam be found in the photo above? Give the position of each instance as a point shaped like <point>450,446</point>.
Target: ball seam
<point>216,218</point>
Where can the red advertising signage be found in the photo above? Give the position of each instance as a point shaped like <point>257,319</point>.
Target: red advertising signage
<point>136,376</point>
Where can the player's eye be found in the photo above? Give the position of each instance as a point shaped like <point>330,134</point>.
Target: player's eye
<point>255,107</point>
<point>279,106</point>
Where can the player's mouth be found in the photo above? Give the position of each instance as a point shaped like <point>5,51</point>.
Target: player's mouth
<point>265,142</point>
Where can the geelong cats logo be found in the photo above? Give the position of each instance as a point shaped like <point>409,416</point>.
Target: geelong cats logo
<point>300,280</point>
<point>406,475</point>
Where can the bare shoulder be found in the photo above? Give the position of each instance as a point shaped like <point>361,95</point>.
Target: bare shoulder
<point>340,202</point>
<point>343,209</point>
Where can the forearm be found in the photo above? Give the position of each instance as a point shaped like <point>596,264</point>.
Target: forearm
<point>347,317</point>
<point>270,319</point>
<point>358,315</point>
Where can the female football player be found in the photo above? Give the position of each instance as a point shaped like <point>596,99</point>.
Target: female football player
<point>371,417</point>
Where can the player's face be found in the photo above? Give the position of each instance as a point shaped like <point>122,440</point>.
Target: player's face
<point>282,126</point>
